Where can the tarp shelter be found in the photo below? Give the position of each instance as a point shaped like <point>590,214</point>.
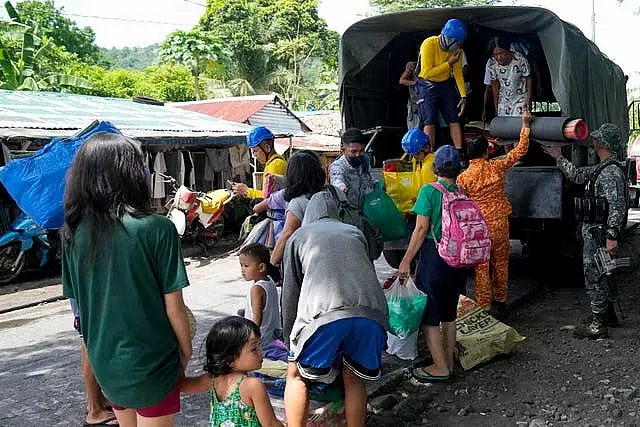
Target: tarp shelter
<point>374,51</point>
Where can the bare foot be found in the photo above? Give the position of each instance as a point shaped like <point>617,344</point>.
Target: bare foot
<point>103,417</point>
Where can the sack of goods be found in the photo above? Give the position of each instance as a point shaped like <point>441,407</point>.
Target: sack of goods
<point>480,336</point>
<point>402,183</point>
<point>384,214</point>
<point>406,305</point>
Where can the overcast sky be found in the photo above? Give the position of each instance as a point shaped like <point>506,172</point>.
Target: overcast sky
<point>616,30</point>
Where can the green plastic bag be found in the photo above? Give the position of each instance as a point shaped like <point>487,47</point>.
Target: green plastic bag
<point>406,305</point>
<point>384,214</point>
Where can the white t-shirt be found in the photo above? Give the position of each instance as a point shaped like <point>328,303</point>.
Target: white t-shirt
<point>271,325</point>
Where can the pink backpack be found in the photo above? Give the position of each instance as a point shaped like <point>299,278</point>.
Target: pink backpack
<point>465,234</point>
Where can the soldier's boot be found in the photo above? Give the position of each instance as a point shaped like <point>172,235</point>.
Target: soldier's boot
<point>610,318</point>
<point>593,330</point>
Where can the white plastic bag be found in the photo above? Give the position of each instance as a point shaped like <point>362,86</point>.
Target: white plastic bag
<point>406,307</point>
<point>403,348</point>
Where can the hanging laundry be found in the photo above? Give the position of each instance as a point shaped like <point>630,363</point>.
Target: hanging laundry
<point>189,169</point>
<point>240,160</point>
<point>159,167</point>
<point>218,159</point>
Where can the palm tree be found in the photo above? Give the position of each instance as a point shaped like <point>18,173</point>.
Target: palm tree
<point>24,72</point>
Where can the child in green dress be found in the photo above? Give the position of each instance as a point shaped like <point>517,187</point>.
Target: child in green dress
<point>233,350</point>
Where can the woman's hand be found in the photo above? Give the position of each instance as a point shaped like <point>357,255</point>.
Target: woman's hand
<point>527,118</point>
<point>240,190</point>
<point>461,106</point>
<point>404,269</point>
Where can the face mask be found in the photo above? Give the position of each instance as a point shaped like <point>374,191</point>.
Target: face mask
<point>355,161</point>
<point>449,44</point>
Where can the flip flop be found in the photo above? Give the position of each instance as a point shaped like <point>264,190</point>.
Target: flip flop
<point>104,422</point>
<point>421,374</point>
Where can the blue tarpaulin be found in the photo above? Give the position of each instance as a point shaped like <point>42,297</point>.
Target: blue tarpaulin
<point>37,182</point>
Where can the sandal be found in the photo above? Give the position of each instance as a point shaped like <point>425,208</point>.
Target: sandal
<point>421,374</point>
<point>108,422</point>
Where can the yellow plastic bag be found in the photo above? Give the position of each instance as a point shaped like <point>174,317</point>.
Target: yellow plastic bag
<point>403,186</point>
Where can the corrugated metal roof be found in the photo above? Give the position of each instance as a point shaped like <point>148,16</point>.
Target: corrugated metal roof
<point>259,110</point>
<point>309,141</point>
<point>232,109</point>
<point>48,114</point>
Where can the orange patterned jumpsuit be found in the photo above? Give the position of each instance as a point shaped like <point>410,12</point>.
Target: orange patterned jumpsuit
<point>484,183</point>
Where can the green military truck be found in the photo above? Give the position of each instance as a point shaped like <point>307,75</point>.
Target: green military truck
<point>572,78</point>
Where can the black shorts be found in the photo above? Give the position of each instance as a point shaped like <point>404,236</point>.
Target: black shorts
<point>434,98</point>
<point>442,284</point>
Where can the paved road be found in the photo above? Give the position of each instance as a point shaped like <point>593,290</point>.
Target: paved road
<point>39,350</point>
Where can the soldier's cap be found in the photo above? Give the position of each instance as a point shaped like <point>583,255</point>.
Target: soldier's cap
<point>609,136</point>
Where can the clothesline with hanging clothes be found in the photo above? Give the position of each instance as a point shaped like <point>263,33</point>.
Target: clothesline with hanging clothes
<point>202,169</point>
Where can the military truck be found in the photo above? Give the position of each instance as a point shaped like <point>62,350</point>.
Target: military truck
<point>572,78</point>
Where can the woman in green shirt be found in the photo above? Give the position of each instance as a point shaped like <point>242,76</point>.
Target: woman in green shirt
<point>124,267</point>
<point>441,282</point>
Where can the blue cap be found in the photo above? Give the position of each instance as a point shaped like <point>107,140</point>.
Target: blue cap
<point>455,29</point>
<point>414,140</point>
<point>447,155</point>
<point>257,135</point>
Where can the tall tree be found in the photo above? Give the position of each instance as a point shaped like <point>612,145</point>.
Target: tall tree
<point>273,41</point>
<point>64,32</point>
<point>196,49</point>
<point>24,71</point>
<point>384,6</point>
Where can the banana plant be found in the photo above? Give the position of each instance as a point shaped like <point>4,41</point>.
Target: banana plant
<point>24,73</point>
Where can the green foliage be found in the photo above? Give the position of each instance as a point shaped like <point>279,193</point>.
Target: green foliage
<point>273,42</point>
<point>23,65</point>
<point>132,58</point>
<point>197,50</point>
<point>165,82</point>
<point>63,31</point>
<point>384,6</point>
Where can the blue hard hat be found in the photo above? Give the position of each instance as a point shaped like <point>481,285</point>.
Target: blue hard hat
<point>257,135</point>
<point>414,140</point>
<point>455,29</point>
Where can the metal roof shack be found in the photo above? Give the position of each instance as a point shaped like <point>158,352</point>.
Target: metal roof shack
<point>33,118</point>
<point>259,110</point>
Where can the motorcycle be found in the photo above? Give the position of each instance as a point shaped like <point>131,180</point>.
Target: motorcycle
<point>25,244</point>
<point>197,216</point>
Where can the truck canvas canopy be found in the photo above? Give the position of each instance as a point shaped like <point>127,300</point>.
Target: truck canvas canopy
<point>569,68</point>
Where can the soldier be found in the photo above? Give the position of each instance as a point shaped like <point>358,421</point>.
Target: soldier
<point>606,180</point>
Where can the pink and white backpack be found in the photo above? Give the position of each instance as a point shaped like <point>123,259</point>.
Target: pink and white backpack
<point>465,234</point>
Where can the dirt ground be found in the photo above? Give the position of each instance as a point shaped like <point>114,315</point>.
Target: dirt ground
<point>552,379</point>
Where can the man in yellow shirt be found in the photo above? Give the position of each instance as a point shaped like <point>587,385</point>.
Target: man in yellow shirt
<point>417,144</point>
<point>440,85</point>
<point>260,141</point>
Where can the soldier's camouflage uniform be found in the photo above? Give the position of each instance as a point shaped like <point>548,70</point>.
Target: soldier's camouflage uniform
<point>611,184</point>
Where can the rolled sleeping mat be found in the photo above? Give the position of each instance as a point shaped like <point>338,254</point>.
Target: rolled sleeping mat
<point>545,130</point>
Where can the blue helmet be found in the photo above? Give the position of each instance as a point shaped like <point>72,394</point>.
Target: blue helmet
<point>455,29</point>
<point>414,140</point>
<point>257,135</point>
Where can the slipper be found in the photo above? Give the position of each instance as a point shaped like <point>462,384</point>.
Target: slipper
<point>421,374</point>
<point>104,422</point>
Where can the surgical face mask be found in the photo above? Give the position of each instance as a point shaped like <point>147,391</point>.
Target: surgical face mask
<point>355,161</point>
<point>449,44</point>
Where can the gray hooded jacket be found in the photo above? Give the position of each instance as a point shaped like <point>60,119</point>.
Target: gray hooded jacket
<point>327,276</point>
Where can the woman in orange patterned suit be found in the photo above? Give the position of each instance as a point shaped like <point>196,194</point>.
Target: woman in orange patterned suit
<point>484,183</point>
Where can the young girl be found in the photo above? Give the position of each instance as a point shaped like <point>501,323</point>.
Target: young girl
<point>262,301</point>
<point>233,350</point>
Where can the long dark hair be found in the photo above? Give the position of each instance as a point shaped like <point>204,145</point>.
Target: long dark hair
<point>500,42</point>
<point>304,175</point>
<point>477,147</point>
<point>225,342</point>
<point>260,253</point>
<point>107,179</point>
